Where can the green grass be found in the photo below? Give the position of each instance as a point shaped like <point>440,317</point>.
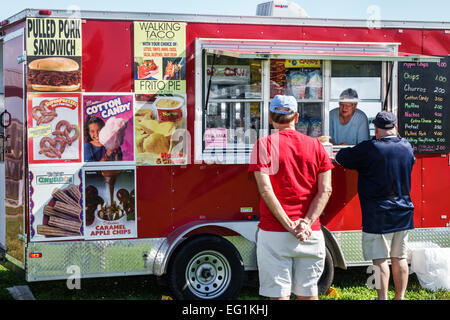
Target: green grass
<point>350,285</point>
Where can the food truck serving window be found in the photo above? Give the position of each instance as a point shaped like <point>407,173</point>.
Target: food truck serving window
<point>238,79</point>
<point>232,115</point>
<point>360,81</point>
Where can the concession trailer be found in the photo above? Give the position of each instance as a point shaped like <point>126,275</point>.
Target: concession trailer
<point>126,137</point>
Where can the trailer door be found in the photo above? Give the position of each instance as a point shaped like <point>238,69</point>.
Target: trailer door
<point>2,153</point>
<point>2,191</point>
<point>14,169</point>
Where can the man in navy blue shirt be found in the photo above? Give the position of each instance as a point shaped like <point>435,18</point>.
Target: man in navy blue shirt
<point>384,165</point>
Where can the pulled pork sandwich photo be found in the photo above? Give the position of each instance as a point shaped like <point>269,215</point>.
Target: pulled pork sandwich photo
<point>54,74</point>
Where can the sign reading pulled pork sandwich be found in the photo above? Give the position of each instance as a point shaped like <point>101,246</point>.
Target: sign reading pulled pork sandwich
<point>53,54</point>
<point>159,57</point>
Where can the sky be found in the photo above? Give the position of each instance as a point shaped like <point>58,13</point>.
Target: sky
<point>410,10</point>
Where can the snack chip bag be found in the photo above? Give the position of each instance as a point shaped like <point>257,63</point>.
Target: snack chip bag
<point>314,85</point>
<point>302,125</point>
<point>297,84</point>
<point>315,128</point>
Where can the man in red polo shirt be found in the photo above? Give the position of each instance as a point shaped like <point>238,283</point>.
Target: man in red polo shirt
<point>293,175</point>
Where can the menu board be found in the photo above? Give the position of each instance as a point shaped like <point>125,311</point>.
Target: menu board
<point>424,105</point>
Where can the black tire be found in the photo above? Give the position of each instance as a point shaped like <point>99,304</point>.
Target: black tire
<point>206,267</point>
<point>327,277</point>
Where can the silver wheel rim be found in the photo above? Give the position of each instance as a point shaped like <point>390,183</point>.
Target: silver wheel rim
<point>208,274</point>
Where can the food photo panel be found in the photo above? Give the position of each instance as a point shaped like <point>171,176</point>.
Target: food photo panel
<point>54,127</point>
<point>54,52</point>
<point>110,203</point>
<point>55,202</point>
<point>161,129</point>
<point>108,134</point>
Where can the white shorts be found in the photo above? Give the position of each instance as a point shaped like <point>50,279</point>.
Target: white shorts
<point>286,265</point>
<point>385,246</point>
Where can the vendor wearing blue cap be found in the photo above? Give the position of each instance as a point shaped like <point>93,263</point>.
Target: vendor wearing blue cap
<point>384,168</point>
<point>348,125</point>
<point>293,176</point>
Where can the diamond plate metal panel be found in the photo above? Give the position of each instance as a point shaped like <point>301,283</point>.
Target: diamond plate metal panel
<point>350,242</point>
<point>436,236</point>
<point>247,250</point>
<point>94,258</point>
<point>138,256</point>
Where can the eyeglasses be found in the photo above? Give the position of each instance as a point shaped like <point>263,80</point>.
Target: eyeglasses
<point>347,104</point>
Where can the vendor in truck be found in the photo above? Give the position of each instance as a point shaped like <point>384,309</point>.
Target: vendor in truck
<point>348,125</point>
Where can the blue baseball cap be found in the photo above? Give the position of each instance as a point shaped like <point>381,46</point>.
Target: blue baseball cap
<point>385,120</point>
<point>279,102</point>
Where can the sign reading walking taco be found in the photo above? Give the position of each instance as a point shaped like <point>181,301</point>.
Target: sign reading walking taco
<point>160,57</point>
<point>53,54</point>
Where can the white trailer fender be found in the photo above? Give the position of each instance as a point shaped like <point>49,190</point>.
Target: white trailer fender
<point>335,249</point>
<point>246,229</point>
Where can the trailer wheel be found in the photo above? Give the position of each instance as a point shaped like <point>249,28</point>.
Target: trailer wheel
<point>206,267</point>
<point>327,277</point>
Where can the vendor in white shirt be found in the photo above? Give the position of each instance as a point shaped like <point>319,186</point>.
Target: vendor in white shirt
<point>348,125</point>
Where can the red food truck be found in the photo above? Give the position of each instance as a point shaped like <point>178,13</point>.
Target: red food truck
<point>126,137</point>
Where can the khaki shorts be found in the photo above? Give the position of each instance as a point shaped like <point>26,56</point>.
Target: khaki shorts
<point>385,246</point>
<point>286,265</point>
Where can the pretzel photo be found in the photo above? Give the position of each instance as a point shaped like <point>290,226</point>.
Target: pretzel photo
<point>47,145</point>
<point>41,114</point>
<point>64,129</point>
<point>60,146</point>
<point>72,138</point>
<point>52,147</point>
